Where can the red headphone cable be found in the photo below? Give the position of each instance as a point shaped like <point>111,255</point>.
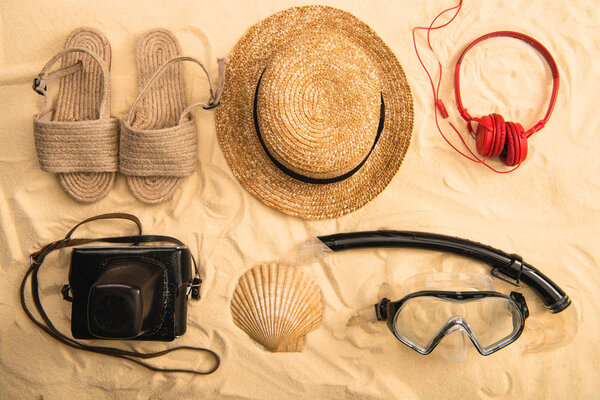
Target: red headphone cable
<point>438,104</point>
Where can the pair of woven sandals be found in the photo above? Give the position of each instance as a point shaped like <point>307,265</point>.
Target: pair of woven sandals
<point>155,146</point>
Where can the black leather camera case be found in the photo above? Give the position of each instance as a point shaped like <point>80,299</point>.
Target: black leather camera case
<point>133,292</point>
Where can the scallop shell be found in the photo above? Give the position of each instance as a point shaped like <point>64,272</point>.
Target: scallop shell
<point>277,305</point>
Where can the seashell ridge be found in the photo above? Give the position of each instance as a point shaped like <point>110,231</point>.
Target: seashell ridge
<point>277,305</point>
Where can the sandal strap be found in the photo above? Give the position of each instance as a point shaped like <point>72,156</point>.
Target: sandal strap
<point>159,152</point>
<point>40,82</point>
<point>215,93</point>
<point>214,99</point>
<point>77,146</point>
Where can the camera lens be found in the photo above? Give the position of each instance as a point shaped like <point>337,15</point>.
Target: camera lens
<point>112,312</point>
<point>126,300</point>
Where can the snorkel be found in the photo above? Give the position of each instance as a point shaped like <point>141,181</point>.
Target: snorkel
<point>442,302</point>
<point>508,267</point>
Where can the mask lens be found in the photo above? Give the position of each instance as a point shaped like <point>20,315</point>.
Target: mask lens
<point>493,320</point>
<point>420,319</point>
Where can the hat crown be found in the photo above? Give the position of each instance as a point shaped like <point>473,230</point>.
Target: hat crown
<point>319,103</point>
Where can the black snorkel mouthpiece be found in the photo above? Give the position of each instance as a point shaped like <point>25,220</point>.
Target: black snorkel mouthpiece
<point>508,267</point>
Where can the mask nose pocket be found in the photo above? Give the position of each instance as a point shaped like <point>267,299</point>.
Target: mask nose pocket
<point>454,346</point>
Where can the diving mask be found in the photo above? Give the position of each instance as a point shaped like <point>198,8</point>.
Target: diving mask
<point>429,311</point>
<point>422,319</point>
<point>424,316</point>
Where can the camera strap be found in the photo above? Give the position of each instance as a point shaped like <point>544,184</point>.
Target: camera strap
<point>36,259</point>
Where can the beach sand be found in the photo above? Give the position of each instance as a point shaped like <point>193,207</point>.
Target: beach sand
<point>547,211</point>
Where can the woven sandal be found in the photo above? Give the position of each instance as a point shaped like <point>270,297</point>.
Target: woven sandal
<point>159,141</point>
<point>76,137</point>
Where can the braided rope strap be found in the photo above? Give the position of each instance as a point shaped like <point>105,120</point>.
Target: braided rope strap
<point>77,146</point>
<point>171,151</point>
<point>159,152</point>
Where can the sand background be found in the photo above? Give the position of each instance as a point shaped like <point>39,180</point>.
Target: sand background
<point>547,211</point>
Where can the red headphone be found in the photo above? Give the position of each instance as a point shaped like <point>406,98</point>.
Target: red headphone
<point>494,136</point>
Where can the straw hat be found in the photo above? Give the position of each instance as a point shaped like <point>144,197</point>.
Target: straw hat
<point>316,113</point>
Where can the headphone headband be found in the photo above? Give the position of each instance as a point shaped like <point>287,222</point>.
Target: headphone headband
<point>533,43</point>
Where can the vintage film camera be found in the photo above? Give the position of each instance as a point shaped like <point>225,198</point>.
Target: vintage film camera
<point>135,292</point>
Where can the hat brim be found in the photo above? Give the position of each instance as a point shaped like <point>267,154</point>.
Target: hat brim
<point>243,151</point>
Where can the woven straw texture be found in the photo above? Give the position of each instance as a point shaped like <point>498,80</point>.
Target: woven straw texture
<point>277,305</point>
<point>76,144</point>
<point>156,152</point>
<point>167,152</point>
<point>322,75</point>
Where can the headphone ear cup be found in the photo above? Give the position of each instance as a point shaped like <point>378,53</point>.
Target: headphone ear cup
<point>508,153</point>
<point>499,135</point>
<point>484,136</point>
<point>515,149</point>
